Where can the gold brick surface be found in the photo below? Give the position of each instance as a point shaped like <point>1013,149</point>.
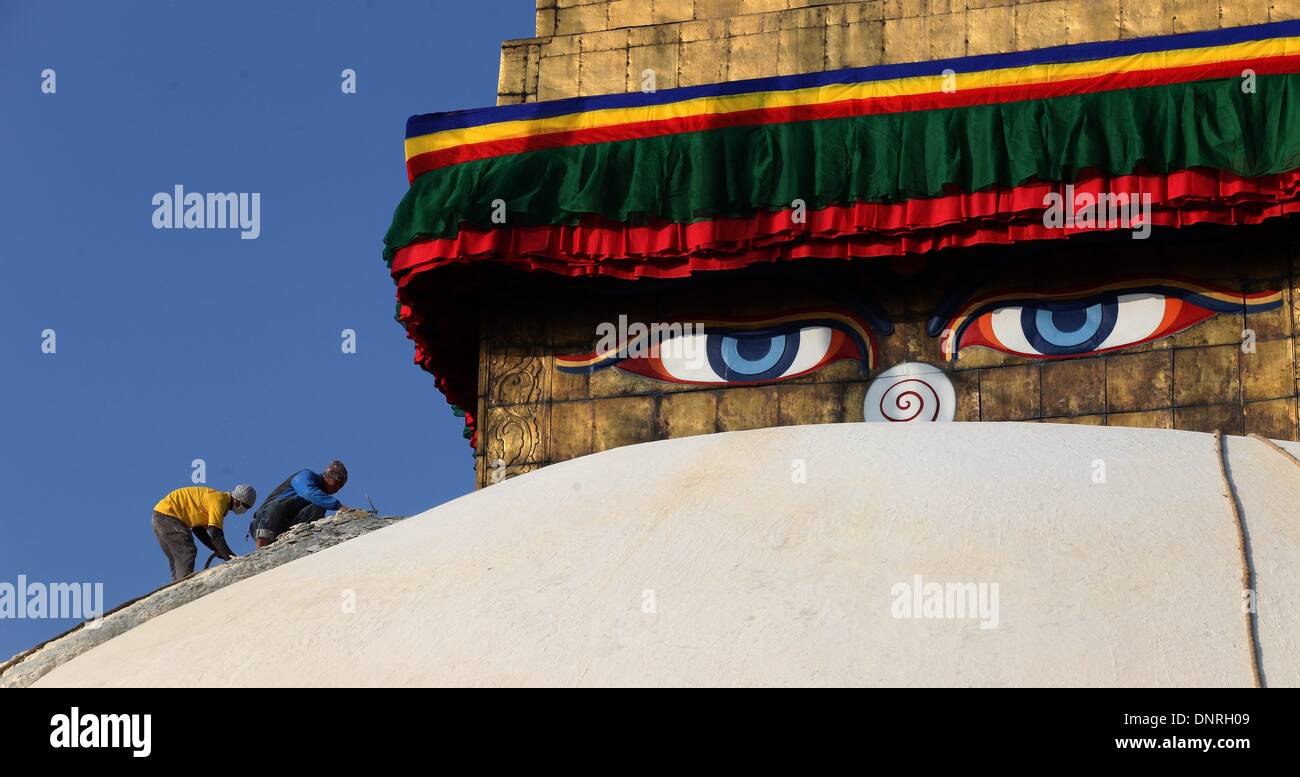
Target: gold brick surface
<point>905,9</point>
<point>1275,419</point>
<point>1238,13</point>
<point>689,413</point>
<point>1295,306</point>
<point>629,13</point>
<point>571,430</point>
<point>853,13</point>
<point>1223,329</point>
<point>569,385</point>
<point>991,30</point>
<point>665,11</point>
<point>1225,418</point>
<point>557,77</point>
<point>714,30</point>
<point>1143,18</point>
<point>947,34</point>
<point>613,382</point>
<point>859,44</point>
<point>1009,393</point>
<point>1269,372</point>
<point>921,347</point>
<point>818,403</point>
<point>917,30</point>
<point>801,50</point>
<point>701,62</point>
<point>602,72</point>
<point>715,9</point>
<point>513,69</point>
<point>973,357</point>
<point>660,60</point>
<point>654,35</point>
<point>581,18</point>
<point>905,40</point>
<point>966,386</point>
<point>1205,376</point>
<point>545,21</point>
<point>532,72</point>
<point>605,40</point>
<point>1270,324</point>
<point>1074,387</point>
<point>759,6</point>
<point>797,18</point>
<point>854,395</point>
<point>893,349</point>
<point>1082,420</point>
<point>751,56</point>
<point>1282,10</point>
<point>746,408</point>
<point>753,23</point>
<point>1092,20</point>
<point>1151,419</point>
<point>1041,24</point>
<point>846,370</point>
<point>623,421</point>
<point>1139,381</point>
<point>1194,15</point>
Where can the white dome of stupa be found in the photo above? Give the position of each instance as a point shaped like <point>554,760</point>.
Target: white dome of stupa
<point>809,555</point>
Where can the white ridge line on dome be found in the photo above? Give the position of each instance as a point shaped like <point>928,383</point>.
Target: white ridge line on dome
<point>1243,549</point>
<point>1276,447</point>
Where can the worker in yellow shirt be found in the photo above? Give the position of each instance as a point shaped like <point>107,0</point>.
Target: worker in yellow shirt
<point>198,511</point>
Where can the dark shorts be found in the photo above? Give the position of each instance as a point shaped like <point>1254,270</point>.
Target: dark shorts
<point>275,519</point>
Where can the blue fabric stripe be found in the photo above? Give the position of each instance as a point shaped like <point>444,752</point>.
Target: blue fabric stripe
<point>425,124</point>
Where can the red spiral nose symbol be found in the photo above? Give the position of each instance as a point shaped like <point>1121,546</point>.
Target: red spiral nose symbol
<point>912,391</point>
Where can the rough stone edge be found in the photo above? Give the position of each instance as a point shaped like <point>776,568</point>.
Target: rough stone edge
<point>303,540</point>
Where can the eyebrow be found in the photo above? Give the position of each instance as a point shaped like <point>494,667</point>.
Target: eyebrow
<point>861,306</point>
<point>1207,295</point>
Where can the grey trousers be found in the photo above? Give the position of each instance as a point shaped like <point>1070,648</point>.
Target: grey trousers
<point>177,543</point>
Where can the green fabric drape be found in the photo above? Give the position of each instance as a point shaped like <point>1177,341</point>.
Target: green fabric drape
<point>734,172</point>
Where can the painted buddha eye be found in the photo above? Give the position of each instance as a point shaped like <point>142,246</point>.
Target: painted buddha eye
<point>744,356</point>
<point>734,353</point>
<point>1074,328</point>
<point>1045,325</point>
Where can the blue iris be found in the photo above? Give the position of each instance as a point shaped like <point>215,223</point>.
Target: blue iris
<point>1069,328</point>
<point>748,356</point>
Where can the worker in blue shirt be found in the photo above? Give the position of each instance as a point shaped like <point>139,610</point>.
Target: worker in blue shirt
<point>302,498</point>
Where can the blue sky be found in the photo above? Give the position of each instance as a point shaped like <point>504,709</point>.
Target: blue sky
<point>174,345</point>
